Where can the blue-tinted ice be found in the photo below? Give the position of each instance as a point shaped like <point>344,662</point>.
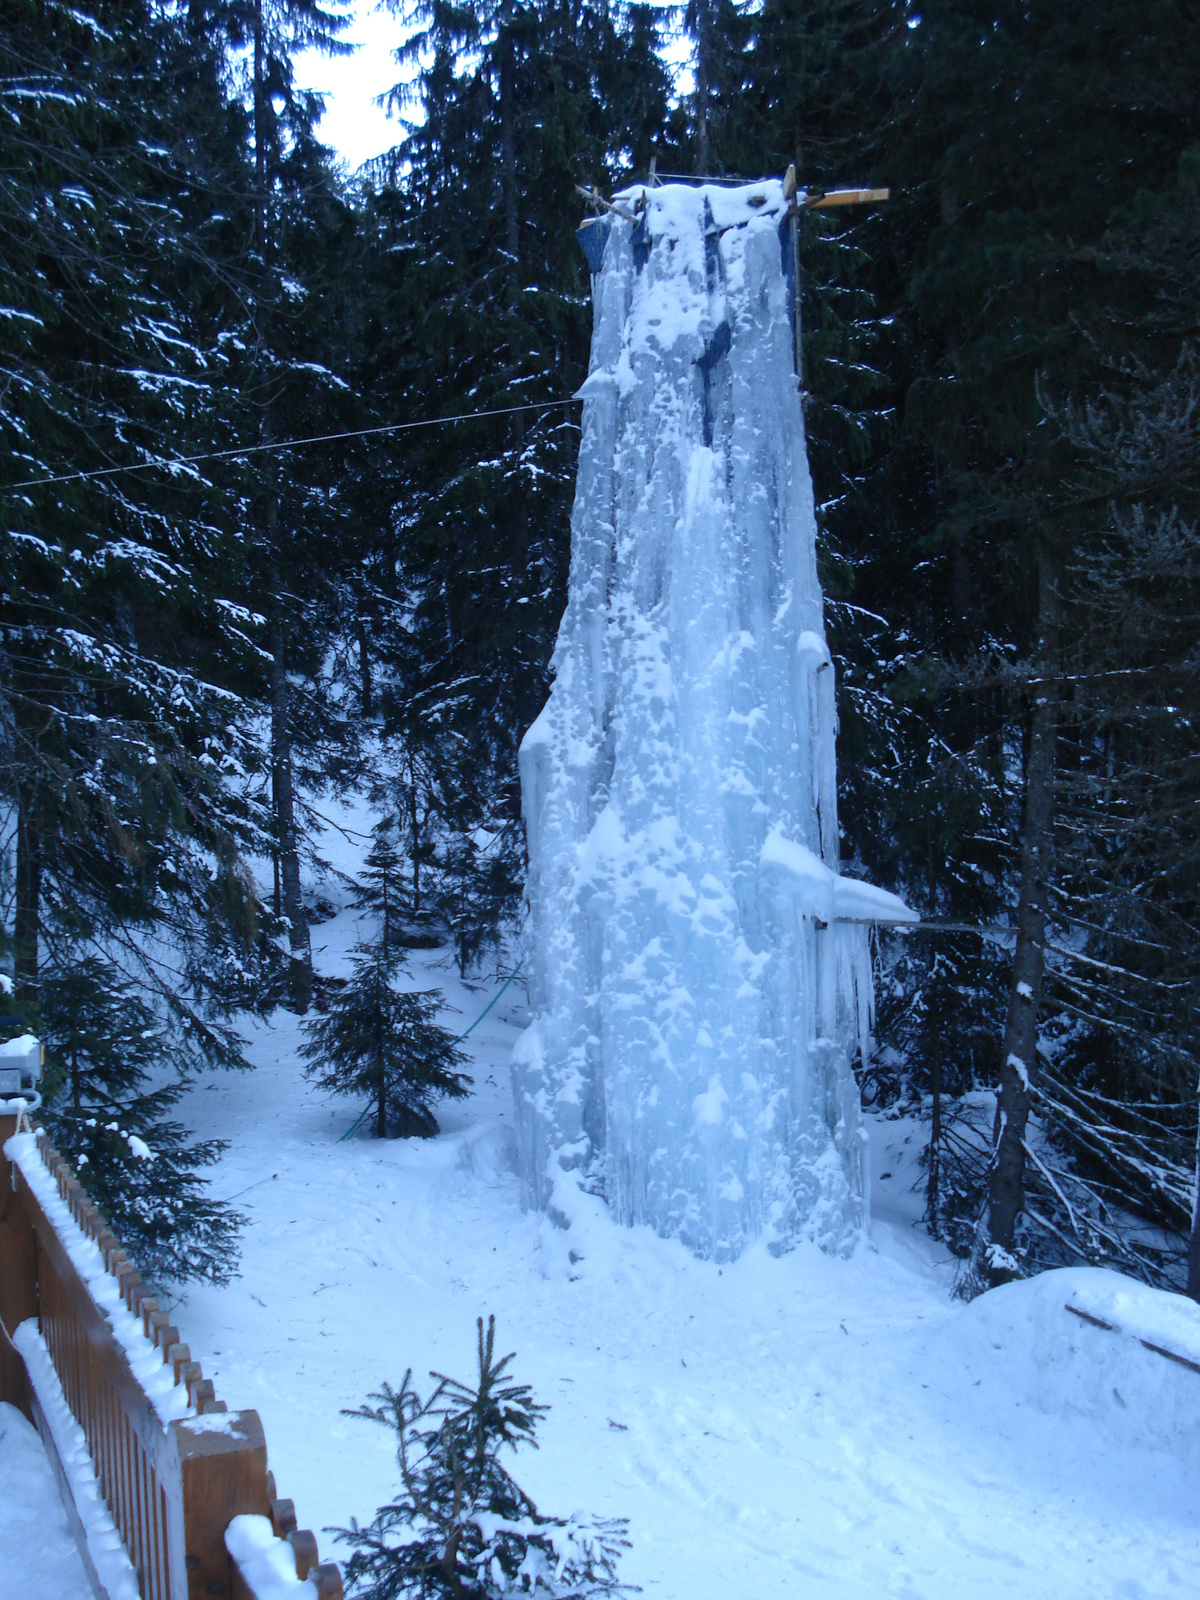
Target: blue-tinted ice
<point>701,972</point>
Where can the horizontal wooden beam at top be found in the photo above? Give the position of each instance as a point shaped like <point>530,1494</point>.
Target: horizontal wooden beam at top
<point>844,197</point>
<point>810,202</point>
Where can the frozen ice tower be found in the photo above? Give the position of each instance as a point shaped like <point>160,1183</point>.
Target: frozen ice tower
<point>701,971</point>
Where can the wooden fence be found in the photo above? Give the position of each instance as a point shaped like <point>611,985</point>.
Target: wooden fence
<point>84,1345</point>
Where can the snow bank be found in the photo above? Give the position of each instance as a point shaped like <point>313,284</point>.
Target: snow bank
<point>38,1558</point>
<point>701,974</point>
<point>1022,1339</point>
<point>267,1563</point>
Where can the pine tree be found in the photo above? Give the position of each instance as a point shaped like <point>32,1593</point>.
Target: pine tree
<point>378,1042</point>
<point>465,871</point>
<point>296,228</point>
<point>477,298</point>
<point>105,1048</point>
<point>1117,1070</point>
<point>381,887</point>
<point>720,32</point>
<point>128,736</point>
<point>1021,140</point>
<point>461,1527</point>
<point>982,755</point>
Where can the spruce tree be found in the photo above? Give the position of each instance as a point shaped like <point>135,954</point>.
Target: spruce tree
<point>285,358</point>
<point>376,1041</point>
<point>381,887</point>
<point>461,1527</point>
<point>107,1111</point>
<point>1018,139</point>
<point>989,724</point>
<point>477,298</point>
<point>126,660</point>
<point>1118,1074</point>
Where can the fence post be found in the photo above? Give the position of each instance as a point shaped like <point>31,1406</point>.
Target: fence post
<point>14,1380</point>
<point>223,1474</point>
<point>18,1278</point>
<point>171,1488</point>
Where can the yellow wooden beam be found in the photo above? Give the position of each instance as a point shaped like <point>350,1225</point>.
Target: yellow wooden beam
<point>844,197</point>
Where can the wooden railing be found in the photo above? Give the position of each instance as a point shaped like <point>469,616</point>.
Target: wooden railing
<point>134,1432</point>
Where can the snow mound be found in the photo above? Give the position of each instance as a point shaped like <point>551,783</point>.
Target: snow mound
<point>1023,1339</point>
<point>38,1558</point>
<point>265,1562</point>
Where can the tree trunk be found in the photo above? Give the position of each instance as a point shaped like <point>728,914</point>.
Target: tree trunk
<point>415,821</point>
<point>365,680</point>
<point>27,919</point>
<point>1193,1264</point>
<point>1018,1064</point>
<point>508,138</point>
<point>283,794</point>
<point>933,1188</point>
<point>702,86</point>
<point>260,110</point>
<point>933,1196</point>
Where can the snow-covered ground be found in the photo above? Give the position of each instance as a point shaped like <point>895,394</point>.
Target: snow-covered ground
<point>38,1558</point>
<point>774,1428</point>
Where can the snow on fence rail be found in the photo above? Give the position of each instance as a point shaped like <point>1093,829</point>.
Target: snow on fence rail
<point>167,1491</point>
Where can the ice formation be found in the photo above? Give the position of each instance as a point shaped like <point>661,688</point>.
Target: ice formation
<point>701,971</point>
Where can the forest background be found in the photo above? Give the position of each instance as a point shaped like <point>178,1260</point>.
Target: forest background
<point>203,634</point>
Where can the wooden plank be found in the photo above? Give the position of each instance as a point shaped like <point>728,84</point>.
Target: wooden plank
<point>68,1500</point>
<point>222,1463</point>
<point>327,1579</point>
<point>18,1255</point>
<point>1146,1344</point>
<point>283,1516</point>
<point>14,1379</point>
<point>844,197</point>
<point>304,1551</point>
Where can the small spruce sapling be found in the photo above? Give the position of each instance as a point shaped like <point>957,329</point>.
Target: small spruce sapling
<point>386,1045</point>
<point>461,1528</point>
<point>381,886</point>
<point>103,1045</point>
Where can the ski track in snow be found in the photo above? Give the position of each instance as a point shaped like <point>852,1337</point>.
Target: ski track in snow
<point>777,1427</point>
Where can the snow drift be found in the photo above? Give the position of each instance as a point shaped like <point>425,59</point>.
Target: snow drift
<point>1123,1374</point>
<point>701,971</point>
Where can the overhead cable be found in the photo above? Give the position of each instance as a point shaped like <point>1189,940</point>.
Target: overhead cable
<point>286,444</point>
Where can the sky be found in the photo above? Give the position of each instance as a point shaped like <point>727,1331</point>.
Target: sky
<point>353,124</point>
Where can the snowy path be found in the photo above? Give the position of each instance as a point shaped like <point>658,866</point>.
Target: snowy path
<point>781,1427</point>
